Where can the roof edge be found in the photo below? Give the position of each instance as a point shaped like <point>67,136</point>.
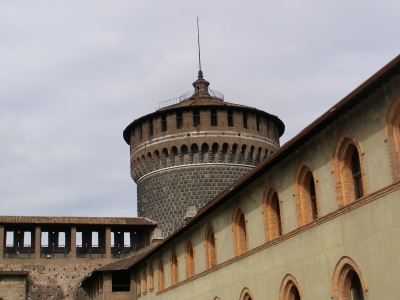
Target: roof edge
<point>257,171</point>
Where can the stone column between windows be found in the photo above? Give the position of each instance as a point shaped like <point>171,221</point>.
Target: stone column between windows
<point>108,242</point>
<point>73,242</point>
<point>38,239</point>
<point>2,239</point>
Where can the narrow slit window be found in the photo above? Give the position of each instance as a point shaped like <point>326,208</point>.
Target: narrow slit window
<point>214,120</point>
<point>258,122</point>
<point>245,120</point>
<point>230,118</point>
<point>164,123</point>
<point>179,120</point>
<point>140,132</point>
<point>196,117</point>
<point>150,127</point>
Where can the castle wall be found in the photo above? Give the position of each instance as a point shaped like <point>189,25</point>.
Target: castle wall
<point>165,195</point>
<point>361,231</point>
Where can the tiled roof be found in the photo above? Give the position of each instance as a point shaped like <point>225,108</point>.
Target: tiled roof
<point>204,102</point>
<point>75,220</point>
<point>125,263</point>
<point>121,264</point>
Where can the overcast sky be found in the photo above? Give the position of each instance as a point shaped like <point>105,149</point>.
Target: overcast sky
<point>74,74</point>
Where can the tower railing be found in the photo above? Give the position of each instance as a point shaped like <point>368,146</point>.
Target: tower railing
<point>186,96</point>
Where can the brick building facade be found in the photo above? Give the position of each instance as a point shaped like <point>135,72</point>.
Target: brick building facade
<point>186,153</point>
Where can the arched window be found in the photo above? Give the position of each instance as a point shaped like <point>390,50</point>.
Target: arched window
<point>225,153</point>
<point>272,214</point>
<point>290,289</point>
<point>144,280</point>
<point>392,128</point>
<point>306,192</point>
<point>189,256</point>
<point>185,154</point>
<point>138,283</point>
<point>214,149</point>
<point>347,281</point>
<point>174,268</point>
<point>246,295</point>
<point>204,153</point>
<point>348,168</point>
<point>160,269</point>
<point>233,158</point>
<point>195,153</point>
<point>211,249</point>
<point>174,156</point>
<point>151,277</point>
<point>239,231</point>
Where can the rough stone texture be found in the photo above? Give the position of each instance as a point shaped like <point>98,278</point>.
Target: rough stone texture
<point>165,195</point>
<point>13,287</point>
<point>54,278</point>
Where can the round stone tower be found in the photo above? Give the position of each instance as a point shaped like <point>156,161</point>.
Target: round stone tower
<point>192,148</point>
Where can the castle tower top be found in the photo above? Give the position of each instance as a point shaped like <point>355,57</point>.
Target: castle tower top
<point>200,87</point>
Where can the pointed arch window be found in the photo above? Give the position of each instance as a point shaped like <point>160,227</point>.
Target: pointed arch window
<point>392,128</point>
<point>144,280</point>
<point>138,283</point>
<point>290,289</point>
<point>151,277</point>
<point>160,269</point>
<point>306,192</point>
<point>246,295</point>
<point>174,268</point>
<point>211,249</point>
<point>239,231</point>
<point>348,168</point>
<point>272,214</point>
<point>347,281</point>
<point>189,256</point>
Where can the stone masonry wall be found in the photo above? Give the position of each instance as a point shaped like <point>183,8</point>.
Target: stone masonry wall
<point>54,278</point>
<point>163,196</point>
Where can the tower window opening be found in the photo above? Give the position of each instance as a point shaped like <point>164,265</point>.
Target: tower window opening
<point>356,172</point>
<point>164,123</point>
<point>140,132</point>
<point>196,117</point>
<point>245,120</point>
<point>230,118</point>
<point>214,121</point>
<point>179,120</point>
<point>258,122</point>
<point>150,127</point>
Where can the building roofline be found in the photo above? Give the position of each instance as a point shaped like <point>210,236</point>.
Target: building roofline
<point>76,220</point>
<point>361,92</point>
